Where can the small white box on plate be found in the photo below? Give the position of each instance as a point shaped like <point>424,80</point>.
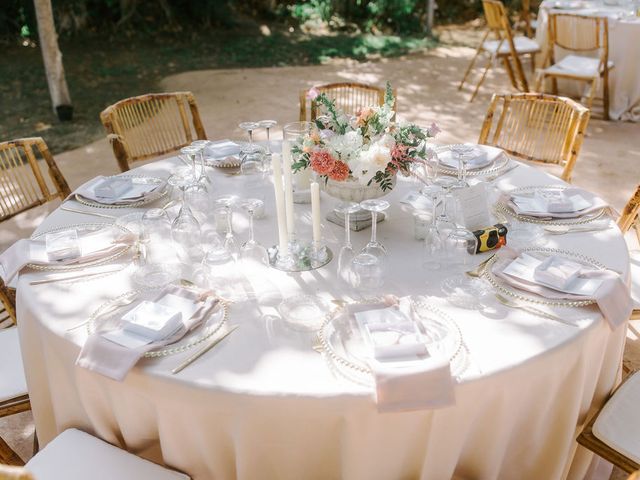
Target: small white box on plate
<point>62,245</point>
<point>152,320</point>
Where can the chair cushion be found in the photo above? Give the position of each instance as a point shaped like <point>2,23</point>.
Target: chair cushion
<point>618,424</point>
<point>574,65</point>
<point>75,455</point>
<point>522,44</point>
<point>12,381</point>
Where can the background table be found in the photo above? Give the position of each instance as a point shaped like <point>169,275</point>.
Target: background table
<point>624,52</point>
<point>264,404</point>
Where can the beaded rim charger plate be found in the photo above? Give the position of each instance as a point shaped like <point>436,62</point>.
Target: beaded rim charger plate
<point>504,208</point>
<point>342,345</point>
<point>107,317</point>
<point>149,198</point>
<point>86,228</point>
<point>494,168</point>
<point>505,288</point>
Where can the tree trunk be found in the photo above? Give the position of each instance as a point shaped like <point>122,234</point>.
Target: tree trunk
<point>53,60</point>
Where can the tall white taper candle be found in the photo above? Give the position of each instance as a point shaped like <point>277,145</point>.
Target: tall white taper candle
<point>280,209</point>
<point>315,211</point>
<point>288,189</point>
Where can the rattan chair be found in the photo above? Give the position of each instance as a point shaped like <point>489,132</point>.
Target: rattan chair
<point>529,24</point>
<point>24,185</point>
<point>505,47</point>
<point>578,34</point>
<point>13,386</point>
<point>536,127</point>
<point>151,125</point>
<point>75,455</point>
<point>349,97</point>
<point>630,218</point>
<point>604,433</point>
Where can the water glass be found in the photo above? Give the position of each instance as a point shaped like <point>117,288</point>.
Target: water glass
<point>367,272</point>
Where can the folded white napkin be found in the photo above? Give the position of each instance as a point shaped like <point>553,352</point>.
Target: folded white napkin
<point>116,190</point>
<point>93,246</point>
<point>221,149</point>
<point>481,156</point>
<point>114,353</point>
<point>606,287</point>
<point>557,272</point>
<point>408,377</point>
<point>572,202</point>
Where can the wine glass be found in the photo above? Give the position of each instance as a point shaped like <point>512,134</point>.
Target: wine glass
<point>153,272</point>
<point>433,245</point>
<point>345,257</point>
<point>446,219</point>
<point>227,202</point>
<point>251,250</point>
<point>367,272</point>
<point>201,145</point>
<point>189,157</point>
<point>196,196</point>
<point>249,127</point>
<point>268,125</point>
<point>375,206</point>
<point>461,152</point>
<point>185,231</point>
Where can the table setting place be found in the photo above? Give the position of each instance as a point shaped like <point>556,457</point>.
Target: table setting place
<point>478,243</point>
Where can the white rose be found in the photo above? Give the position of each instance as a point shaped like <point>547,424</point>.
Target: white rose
<point>380,155</point>
<point>387,141</point>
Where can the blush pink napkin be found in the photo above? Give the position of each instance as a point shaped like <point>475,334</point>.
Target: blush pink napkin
<point>613,297</point>
<point>403,386</point>
<point>112,360</point>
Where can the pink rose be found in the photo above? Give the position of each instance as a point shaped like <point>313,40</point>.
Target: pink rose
<point>312,93</point>
<point>433,130</point>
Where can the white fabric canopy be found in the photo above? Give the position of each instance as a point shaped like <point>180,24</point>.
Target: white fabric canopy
<point>263,404</point>
<point>624,53</point>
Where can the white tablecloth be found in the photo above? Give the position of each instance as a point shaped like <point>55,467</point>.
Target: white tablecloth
<point>624,52</point>
<point>264,404</point>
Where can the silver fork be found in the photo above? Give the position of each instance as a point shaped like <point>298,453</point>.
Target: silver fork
<point>530,309</point>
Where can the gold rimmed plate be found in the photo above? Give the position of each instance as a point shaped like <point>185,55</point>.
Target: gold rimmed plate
<point>156,194</point>
<point>504,287</point>
<point>347,353</point>
<point>504,208</point>
<point>81,228</point>
<point>108,316</point>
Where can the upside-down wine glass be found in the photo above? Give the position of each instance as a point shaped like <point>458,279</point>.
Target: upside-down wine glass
<point>251,250</point>
<point>268,125</point>
<point>446,218</point>
<point>375,206</point>
<point>185,231</point>
<point>201,145</point>
<point>227,202</point>
<point>433,244</point>
<point>346,254</point>
<point>189,157</point>
<point>460,152</point>
<point>249,127</point>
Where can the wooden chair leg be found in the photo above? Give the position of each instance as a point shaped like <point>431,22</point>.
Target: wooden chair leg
<point>554,85</point>
<point>36,444</point>
<point>484,74</point>
<point>592,93</point>
<point>509,69</point>
<point>533,64</point>
<point>8,456</point>
<point>540,78</point>
<point>469,68</point>
<point>605,94</point>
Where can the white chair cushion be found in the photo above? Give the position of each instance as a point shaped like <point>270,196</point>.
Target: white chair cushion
<point>574,65</point>
<point>522,44</point>
<point>634,260</point>
<point>618,424</point>
<point>534,24</point>
<point>12,381</point>
<point>75,455</point>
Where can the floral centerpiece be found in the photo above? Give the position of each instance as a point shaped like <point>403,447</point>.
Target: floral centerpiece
<point>369,148</point>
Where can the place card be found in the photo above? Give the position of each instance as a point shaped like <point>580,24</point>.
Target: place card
<point>152,320</point>
<point>524,268</point>
<point>474,207</point>
<point>391,335</point>
<point>61,246</point>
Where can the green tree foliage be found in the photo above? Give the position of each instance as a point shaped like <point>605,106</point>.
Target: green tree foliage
<point>150,16</point>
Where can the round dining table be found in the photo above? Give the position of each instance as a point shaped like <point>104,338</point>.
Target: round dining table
<point>264,404</point>
<point>624,52</point>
